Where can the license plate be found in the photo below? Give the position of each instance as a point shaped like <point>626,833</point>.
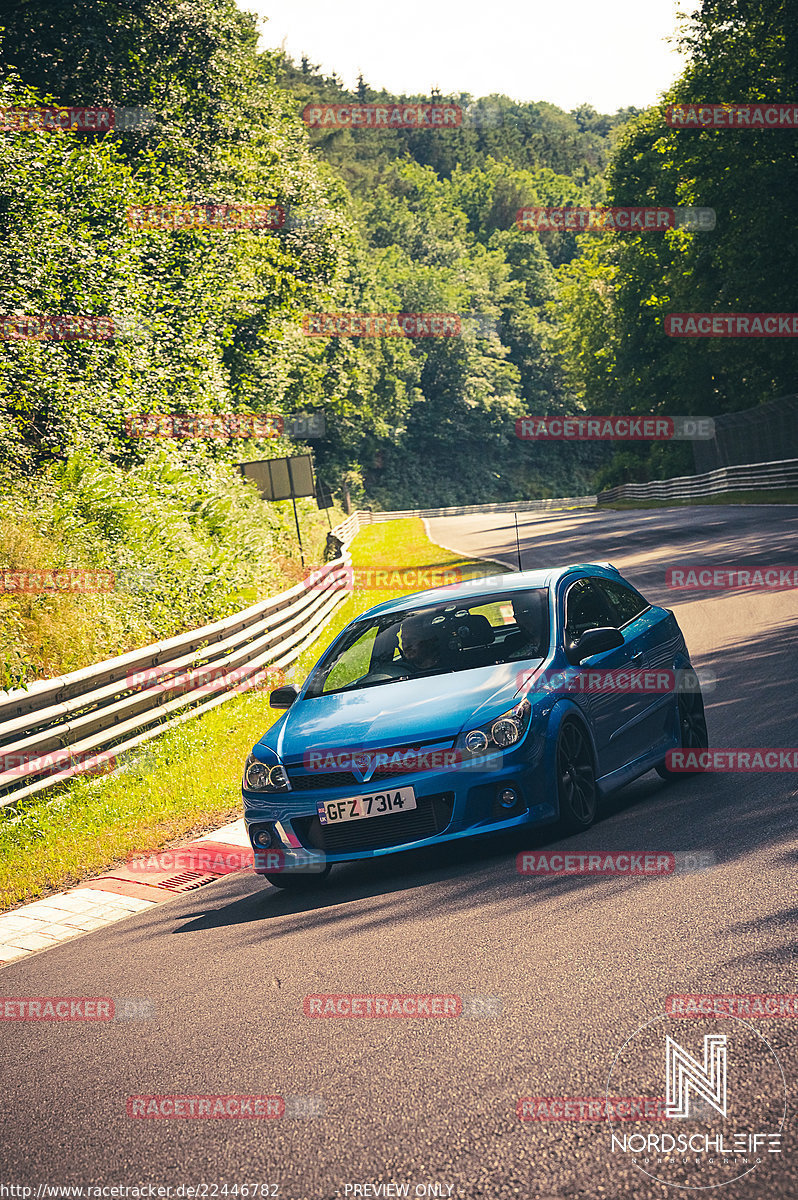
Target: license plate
<point>360,808</point>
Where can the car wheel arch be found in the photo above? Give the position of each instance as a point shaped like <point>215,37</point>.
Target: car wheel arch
<point>566,709</point>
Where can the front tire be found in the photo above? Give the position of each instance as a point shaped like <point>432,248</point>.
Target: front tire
<point>576,778</point>
<point>692,731</point>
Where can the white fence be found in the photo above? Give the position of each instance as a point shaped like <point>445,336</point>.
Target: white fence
<point>751,477</point>
<point>518,506</point>
<point>75,724</point>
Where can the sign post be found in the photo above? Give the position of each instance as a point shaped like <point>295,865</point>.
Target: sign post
<point>283,479</point>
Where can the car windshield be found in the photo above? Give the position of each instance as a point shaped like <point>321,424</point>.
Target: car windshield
<point>453,636</point>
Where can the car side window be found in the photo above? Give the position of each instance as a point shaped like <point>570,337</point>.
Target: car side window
<point>586,608</point>
<point>626,602</point>
<point>352,664</point>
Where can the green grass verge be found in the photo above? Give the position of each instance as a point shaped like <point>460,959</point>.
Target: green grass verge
<point>777,496</point>
<point>188,780</point>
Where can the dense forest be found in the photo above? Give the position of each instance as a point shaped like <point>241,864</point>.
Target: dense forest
<point>210,319</point>
<point>381,220</point>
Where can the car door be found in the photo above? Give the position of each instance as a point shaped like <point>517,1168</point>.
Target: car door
<point>657,641</point>
<point>615,713</point>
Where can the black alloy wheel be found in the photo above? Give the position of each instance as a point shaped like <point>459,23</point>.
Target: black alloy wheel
<point>692,731</point>
<point>576,778</point>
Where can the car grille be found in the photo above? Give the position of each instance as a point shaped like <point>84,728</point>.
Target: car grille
<point>322,779</point>
<point>376,833</point>
<point>319,780</point>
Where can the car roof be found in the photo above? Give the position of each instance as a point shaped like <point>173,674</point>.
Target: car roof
<point>512,581</point>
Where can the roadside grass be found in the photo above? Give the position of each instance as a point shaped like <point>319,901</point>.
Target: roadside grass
<point>187,781</point>
<point>777,496</point>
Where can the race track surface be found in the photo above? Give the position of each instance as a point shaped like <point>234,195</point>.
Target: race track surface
<point>579,963</point>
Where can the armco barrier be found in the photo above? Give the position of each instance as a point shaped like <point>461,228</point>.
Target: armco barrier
<point>97,713</point>
<point>750,477</point>
<point>518,506</point>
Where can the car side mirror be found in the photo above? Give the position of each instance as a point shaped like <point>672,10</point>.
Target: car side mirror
<point>283,697</point>
<point>593,641</point>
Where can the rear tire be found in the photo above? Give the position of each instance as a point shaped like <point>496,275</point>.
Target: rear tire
<point>576,778</point>
<point>297,881</point>
<point>692,731</point>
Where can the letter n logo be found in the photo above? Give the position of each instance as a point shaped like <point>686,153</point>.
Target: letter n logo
<point>684,1073</point>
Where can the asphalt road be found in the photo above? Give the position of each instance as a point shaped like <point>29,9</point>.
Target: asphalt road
<point>580,963</point>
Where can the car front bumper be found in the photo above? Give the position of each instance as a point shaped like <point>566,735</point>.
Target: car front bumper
<point>455,802</point>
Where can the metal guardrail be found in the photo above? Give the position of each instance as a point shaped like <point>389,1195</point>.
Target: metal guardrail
<point>750,477</point>
<point>75,724</point>
<point>518,506</point>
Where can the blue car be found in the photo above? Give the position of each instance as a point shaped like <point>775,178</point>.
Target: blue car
<point>489,705</point>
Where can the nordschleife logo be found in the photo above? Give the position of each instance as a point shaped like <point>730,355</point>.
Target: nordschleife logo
<point>684,1074</point>
<point>725,1102</point>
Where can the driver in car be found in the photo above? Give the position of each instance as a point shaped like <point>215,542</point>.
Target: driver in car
<point>532,623</point>
<point>422,647</point>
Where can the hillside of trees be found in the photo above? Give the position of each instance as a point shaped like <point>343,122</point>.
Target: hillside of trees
<point>404,221</point>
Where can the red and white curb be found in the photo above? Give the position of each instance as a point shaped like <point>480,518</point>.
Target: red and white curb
<point>148,880</point>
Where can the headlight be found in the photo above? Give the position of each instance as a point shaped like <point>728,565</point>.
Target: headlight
<point>476,741</point>
<point>500,734</point>
<point>506,731</point>
<point>264,777</point>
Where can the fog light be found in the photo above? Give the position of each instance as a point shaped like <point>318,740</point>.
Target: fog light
<point>508,797</point>
<point>263,838</point>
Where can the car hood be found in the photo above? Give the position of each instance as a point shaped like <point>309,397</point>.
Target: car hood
<point>431,708</point>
